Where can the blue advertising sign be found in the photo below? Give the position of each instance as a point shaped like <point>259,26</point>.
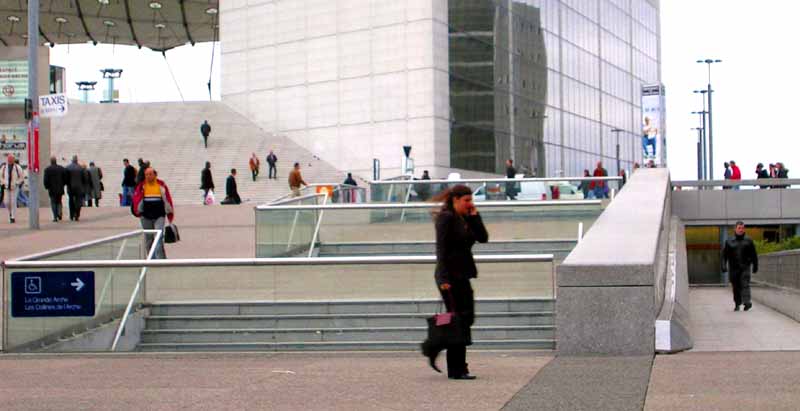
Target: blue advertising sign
<point>52,294</point>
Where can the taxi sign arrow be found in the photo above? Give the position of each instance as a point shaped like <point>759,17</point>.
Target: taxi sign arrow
<point>78,284</point>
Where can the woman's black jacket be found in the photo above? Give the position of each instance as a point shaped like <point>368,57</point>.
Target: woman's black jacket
<point>455,236</point>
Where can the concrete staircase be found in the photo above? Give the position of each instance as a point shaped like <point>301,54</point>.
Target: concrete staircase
<point>168,135</point>
<point>348,325</point>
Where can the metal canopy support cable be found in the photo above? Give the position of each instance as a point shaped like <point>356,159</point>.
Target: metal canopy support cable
<point>164,53</point>
<point>83,22</point>
<point>186,22</point>
<point>130,23</point>
<point>213,50</point>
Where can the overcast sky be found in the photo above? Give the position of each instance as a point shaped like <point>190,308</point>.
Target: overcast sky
<point>754,85</point>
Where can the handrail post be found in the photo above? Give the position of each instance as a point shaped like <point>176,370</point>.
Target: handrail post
<point>405,202</point>
<point>580,231</point>
<point>316,229</point>
<point>156,241</point>
<point>291,232</point>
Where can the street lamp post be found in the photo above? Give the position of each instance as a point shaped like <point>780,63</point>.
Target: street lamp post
<point>33,95</point>
<point>617,131</point>
<point>708,161</point>
<point>709,62</point>
<point>705,165</point>
<point>700,158</point>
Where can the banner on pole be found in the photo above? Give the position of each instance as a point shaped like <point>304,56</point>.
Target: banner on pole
<point>13,81</point>
<point>653,121</point>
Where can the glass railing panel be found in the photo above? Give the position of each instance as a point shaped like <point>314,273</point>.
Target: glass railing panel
<point>496,190</point>
<point>404,224</point>
<point>281,232</point>
<point>340,282</point>
<point>111,290</point>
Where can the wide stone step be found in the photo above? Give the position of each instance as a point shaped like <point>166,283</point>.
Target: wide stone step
<point>341,307</point>
<point>543,344</point>
<point>334,320</point>
<point>337,334</point>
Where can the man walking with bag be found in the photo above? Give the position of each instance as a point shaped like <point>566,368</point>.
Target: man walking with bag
<point>55,178</point>
<point>11,177</point>
<point>739,254</point>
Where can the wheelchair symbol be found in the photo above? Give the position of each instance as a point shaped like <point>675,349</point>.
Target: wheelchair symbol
<point>33,285</point>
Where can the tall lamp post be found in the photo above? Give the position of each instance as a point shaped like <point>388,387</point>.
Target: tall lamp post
<point>708,163</point>
<point>700,158</point>
<point>617,131</point>
<point>702,136</point>
<point>709,62</point>
<point>33,95</point>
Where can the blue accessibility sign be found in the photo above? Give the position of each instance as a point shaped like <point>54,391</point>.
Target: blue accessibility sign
<point>52,294</point>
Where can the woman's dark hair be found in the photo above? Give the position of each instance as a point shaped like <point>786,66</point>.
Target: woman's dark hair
<point>208,164</point>
<point>446,197</point>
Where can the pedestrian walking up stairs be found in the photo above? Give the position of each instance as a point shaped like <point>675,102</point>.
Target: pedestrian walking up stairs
<point>168,134</point>
<point>344,325</point>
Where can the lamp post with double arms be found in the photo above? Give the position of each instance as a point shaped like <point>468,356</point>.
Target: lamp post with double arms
<point>702,136</point>
<point>708,165</point>
<point>700,158</point>
<point>709,62</point>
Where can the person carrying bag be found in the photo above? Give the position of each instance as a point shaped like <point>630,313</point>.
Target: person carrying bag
<point>458,228</point>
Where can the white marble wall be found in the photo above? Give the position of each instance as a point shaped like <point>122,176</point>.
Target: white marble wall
<point>350,80</point>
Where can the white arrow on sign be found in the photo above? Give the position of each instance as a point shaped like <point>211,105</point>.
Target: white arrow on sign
<point>78,284</point>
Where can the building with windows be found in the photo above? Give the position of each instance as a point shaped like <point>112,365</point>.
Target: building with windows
<point>466,83</point>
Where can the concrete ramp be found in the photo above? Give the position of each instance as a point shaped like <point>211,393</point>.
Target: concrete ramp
<point>168,134</point>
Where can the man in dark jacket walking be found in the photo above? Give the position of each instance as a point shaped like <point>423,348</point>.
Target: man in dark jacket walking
<point>76,180</point>
<point>140,174</point>
<point>272,159</point>
<point>55,178</point>
<point>231,191</point>
<point>205,130</point>
<point>128,183</point>
<point>206,181</point>
<point>739,254</point>
<point>511,172</point>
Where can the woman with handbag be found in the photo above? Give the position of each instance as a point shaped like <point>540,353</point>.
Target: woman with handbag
<point>458,227</point>
<point>152,203</point>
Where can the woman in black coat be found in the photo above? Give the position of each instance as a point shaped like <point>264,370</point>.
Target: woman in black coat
<point>206,182</point>
<point>458,227</point>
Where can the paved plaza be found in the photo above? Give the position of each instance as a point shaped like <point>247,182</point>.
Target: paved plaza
<point>741,360</point>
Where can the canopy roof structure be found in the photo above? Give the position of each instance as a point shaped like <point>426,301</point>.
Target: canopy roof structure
<point>156,24</point>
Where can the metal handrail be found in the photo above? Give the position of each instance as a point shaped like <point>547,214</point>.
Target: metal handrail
<point>288,197</point>
<point>733,183</point>
<point>79,246</point>
<point>156,241</point>
<point>289,261</point>
<point>496,180</point>
<point>316,229</point>
<point>373,206</point>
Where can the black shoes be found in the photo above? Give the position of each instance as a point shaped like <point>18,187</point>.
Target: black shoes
<point>748,306</point>
<point>11,220</point>
<point>736,308</point>
<point>464,377</point>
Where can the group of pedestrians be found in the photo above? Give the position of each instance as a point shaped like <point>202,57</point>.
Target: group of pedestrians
<point>594,188</point>
<point>775,171</point>
<point>84,185</point>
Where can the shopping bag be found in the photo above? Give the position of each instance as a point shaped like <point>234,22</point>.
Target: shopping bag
<point>171,234</point>
<point>210,197</point>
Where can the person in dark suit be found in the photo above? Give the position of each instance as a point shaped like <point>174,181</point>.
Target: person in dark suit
<point>76,181</point>
<point>458,227</point>
<point>231,191</point>
<point>206,181</point>
<point>55,178</point>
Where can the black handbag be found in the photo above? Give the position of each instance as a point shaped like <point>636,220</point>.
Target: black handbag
<point>445,330</point>
<point>171,234</point>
